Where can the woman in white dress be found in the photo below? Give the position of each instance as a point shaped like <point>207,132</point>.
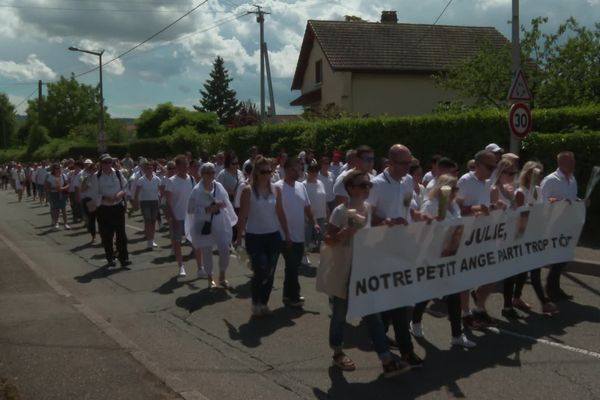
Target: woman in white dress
<point>209,223</point>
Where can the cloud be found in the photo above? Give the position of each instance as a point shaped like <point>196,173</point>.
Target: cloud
<point>33,69</point>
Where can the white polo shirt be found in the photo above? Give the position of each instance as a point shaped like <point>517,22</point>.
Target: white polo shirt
<point>473,191</point>
<point>558,186</point>
<point>148,188</point>
<point>328,182</point>
<point>388,196</point>
<point>294,199</point>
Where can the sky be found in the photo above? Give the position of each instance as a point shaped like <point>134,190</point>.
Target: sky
<point>35,36</point>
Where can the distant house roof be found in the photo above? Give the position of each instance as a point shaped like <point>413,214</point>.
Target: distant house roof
<point>391,47</point>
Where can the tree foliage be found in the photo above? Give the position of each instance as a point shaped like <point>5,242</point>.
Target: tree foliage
<point>246,115</point>
<point>67,105</point>
<point>217,97</point>
<point>8,122</point>
<point>166,118</point>
<point>38,137</point>
<point>116,132</point>
<point>562,68</point>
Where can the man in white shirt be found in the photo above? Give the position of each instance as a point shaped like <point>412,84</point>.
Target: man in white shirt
<point>40,176</point>
<point>296,207</point>
<point>253,153</point>
<point>474,199</point>
<point>558,186</point>
<point>443,166</point>
<point>336,163</point>
<point>219,162</point>
<point>110,196</point>
<point>178,190</point>
<point>391,198</point>
<point>74,183</point>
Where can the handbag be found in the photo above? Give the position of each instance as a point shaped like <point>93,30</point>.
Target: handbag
<point>91,206</point>
<point>333,273</point>
<point>206,227</point>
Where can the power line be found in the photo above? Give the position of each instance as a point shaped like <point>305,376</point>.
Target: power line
<point>26,98</point>
<point>146,40</point>
<point>434,23</point>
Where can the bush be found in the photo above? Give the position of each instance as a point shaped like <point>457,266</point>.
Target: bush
<point>38,136</point>
<point>14,154</point>
<point>200,121</point>
<point>185,139</point>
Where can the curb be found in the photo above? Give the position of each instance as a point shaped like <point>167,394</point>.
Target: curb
<point>584,267</point>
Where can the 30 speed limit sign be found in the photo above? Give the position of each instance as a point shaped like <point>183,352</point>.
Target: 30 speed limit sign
<point>519,120</point>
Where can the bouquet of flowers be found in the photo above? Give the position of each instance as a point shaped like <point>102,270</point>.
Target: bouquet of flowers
<point>443,201</point>
<point>355,220</point>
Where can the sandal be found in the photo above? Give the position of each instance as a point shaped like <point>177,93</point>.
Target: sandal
<point>343,362</point>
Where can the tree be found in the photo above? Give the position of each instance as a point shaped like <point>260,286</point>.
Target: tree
<point>88,133</point>
<point>67,105</point>
<point>38,136</point>
<point>562,68</point>
<point>483,78</point>
<point>166,118</point>
<point>8,122</point>
<point>217,97</point>
<point>246,115</point>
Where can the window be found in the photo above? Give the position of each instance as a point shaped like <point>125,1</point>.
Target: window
<point>319,72</point>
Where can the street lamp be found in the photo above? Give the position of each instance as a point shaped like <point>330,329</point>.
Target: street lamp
<point>101,134</point>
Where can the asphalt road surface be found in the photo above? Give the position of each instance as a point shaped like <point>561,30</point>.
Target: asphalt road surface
<point>70,329</point>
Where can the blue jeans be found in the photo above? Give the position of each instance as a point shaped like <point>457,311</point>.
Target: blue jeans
<point>374,323</point>
<point>293,258</point>
<point>263,251</point>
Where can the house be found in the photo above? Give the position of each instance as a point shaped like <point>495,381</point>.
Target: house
<point>381,67</point>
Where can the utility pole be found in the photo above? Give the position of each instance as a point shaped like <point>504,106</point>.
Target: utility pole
<point>40,102</point>
<point>261,20</point>
<point>516,62</point>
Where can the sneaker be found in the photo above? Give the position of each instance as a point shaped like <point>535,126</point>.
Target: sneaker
<point>154,244</point>
<point>394,368</point>
<point>521,304</point>
<point>462,341</point>
<point>413,360</point>
<point>511,313</point>
<point>182,271</point>
<point>469,322</point>
<point>56,227</point>
<point>212,284</point>
<point>550,308</point>
<point>256,311</point>
<point>265,310</point>
<point>67,226</point>
<point>416,328</point>
<point>484,319</point>
<point>306,260</point>
<point>201,273</point>
<point>293,303</point>
<point>111,263</point>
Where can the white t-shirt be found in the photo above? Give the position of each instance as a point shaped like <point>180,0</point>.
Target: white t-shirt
<point>328,182</point>
<point>262,214</point>
<point>318,198</point>
<point>388,196</point>
<point>180,192</point>
<point>56,182</point>
<point>335,169</point>
<point>294,200</point>
<point>473,191</point>
<point>339,217</point>
<point>90,183</point>
<point>230,181</point>
<point>40,175</point>
<point>74,181</point>
<point>148,188</point>
<point>427,178</point>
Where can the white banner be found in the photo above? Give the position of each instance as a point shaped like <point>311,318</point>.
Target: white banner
<point>403,265</point>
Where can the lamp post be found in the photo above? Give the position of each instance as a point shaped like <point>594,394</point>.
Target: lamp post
<point>101,134</point>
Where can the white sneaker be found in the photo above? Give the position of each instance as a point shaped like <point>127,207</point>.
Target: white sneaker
<point>305,260</point>
<point>417,330</point>
<point>67,226</point>
<point>462,341</point>
<point>182,271</point>
<point>56,226</point>
<point>201,274</point>
<point>154,244</point>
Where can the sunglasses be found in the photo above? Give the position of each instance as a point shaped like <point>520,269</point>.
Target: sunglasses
<point>363,185</point>
<point>265,171</point>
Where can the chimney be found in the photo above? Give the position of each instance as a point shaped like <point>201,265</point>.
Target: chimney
<point>389,17</point>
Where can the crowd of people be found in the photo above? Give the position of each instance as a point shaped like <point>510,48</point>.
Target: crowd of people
<point>293,205</point>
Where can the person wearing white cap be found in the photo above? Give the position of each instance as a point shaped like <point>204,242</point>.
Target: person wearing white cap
<point>86,196</point>
<point>497,150</point>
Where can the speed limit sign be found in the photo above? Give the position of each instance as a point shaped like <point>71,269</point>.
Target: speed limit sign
<point>519,120</point>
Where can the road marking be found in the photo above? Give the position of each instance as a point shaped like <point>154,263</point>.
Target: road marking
<point>170,380</point>
<point>546,342</point>
<point>134,227</point>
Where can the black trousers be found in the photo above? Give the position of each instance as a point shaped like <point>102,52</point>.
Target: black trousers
<point>111,221</point>
<point>91,216</point>
<point>454,313</point>
<point>553,278</point>
<point>399,318</point>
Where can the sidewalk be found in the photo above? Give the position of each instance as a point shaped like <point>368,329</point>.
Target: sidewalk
<point>51,351</point>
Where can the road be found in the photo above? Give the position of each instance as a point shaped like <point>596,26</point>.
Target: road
<point>144,330</point>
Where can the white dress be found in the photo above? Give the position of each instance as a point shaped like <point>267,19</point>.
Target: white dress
<point>222,223</point>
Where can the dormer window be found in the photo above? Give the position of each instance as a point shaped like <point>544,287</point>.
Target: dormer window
<point>319,72</point>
